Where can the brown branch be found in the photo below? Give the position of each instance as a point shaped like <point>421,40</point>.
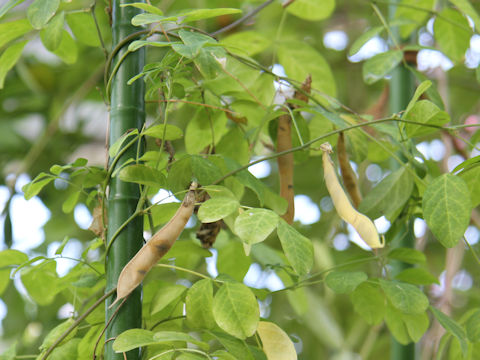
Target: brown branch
<point>348,175</point>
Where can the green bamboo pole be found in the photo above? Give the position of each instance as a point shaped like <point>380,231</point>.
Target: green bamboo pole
<point>401,91</point>
<point>127,112</point>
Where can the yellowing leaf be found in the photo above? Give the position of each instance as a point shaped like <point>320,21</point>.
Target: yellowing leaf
<point>276,343</point>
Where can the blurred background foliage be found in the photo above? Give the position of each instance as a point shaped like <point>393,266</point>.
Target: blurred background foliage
<point>53,111</point>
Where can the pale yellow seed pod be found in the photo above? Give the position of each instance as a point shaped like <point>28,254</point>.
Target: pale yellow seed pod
<point>364,226</point>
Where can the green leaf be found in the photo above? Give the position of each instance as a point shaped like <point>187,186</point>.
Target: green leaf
<point>369,302</point>
<point>246,43</point>
<point>300,60</point>
<point>312,10</point>
<point>142,174</point>
<point>452,35</point>
<point>145,19</point>
<point>52,34</point>
<point>472,327</point>
<point>9,258</point>
<point>394,321</point>
<point>297,248</point>
<point>466,7</point>
<point>344,282</point>
<point>70,202</point>
<point>275,202</point>
<point>83,28</point>
<point>199,304</point>
<point>172,132</point>
<point>380,65</point>
<point>204,170</point>
<point>166,294</point>
<point>407,255</point>
<point>133,338</point>
<point>234,346</point>
<point>42,282</point>
<point>217,208</point>
<point>198,133</point>
<point>424,86</point>
<point>137,44</point>
<point>9,58</point>
<point>40,11</point>
<point>389,195</point>
<point>8,5</point>
<point>407,298</point>
<point>87,343</point>
<point>67,50</point>
<point>416,325</point>
<point>65,351</point>
<point>362,39</point>
<point>427,113</point>
<point>146,7</point>
<point>117,145</point>
<point>447,208</point>
<point>12,30</point>
<point>410,10</point>
<point>451,326</point>
<point>33,188</point>
<point>471,176</point>
<point>55,333</point>
<point>236,310</point>
<point>417,276</point>
<point>201,14</point>
<point>235,146</point>
<point>235,269</point>
<point>254,225</point>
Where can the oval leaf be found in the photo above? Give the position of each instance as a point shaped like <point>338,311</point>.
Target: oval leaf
<point>378,66</point>
<point>425,112</point>
<point>312,10</point>
<point>142,174</point>
<point>407,298</point>
<point>473,327</point>
<point>452,33</point>
<point>297,248</point>
<point>217,208</point>
<point>407,255</point>
<point>9,58</point>
<point>447,208</point>
<point>389,195</point>
<point>172,132</point>
<point>451,326</point>
<point>254,225</point>
<point>199,303</point>
<point>344,282</point>
<point>235,310</point>
<point>369,302</point>
<point>417,276</point>
<point>276,343</point>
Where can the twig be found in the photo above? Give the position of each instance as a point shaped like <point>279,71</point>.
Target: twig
<point>193,103</point>
<point>77,322</point>
<point>243,18</point>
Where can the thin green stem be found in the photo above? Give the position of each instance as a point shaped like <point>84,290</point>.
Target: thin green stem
<point>313,141</point>
<point>472,250</point>
<point>119,230</point>
<point>187,271</point>
<point>385,24</point>
<point>77,322</point>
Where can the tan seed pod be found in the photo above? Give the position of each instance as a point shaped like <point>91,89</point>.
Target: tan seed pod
<point>137,268</point>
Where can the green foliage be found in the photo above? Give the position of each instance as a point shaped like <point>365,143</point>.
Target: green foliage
<point>212,108</point>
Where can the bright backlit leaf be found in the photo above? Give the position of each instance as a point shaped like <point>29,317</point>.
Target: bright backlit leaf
<point>312,10</point>
<point>276,343</point>
<point>236,310</point>
<point>217,208</point>
<point>254,225</point>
